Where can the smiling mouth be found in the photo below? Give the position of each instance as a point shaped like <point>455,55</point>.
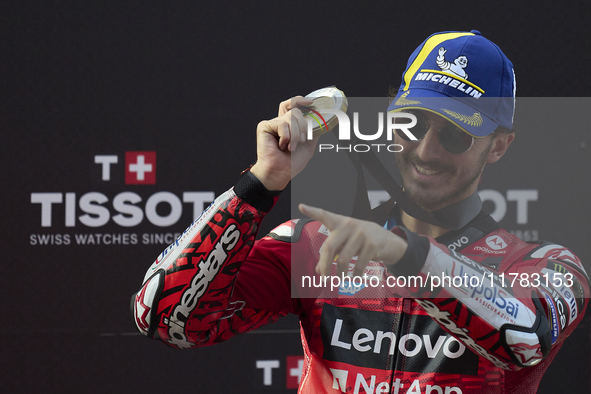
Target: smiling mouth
<point>424,171</point>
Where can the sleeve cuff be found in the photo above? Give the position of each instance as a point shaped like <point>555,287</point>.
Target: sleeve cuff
<point>415,256</point>
<point>251,190</point>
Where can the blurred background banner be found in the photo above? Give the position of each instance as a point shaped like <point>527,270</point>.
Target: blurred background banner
<point>121,121</point>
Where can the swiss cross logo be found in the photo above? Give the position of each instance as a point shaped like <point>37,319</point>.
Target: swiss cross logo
<point>295,364</point>
<point>140,168</point>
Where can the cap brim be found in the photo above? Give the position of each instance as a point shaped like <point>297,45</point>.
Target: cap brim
<point>454,109</point>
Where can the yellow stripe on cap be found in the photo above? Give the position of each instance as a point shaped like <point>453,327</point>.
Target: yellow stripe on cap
<point>455,77</point>
<point>430,44</point>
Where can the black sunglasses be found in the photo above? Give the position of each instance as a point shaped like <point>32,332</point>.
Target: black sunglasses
<point>451,137</point>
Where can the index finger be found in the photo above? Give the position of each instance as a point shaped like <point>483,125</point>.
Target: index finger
<point>294,102</point>
<point>329,219</point>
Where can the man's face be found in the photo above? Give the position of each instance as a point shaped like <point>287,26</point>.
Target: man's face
<point>435,178</point>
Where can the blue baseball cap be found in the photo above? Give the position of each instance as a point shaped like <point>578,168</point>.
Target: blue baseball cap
<point>469,69</point>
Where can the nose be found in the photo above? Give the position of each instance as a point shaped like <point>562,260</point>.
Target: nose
<point>429,148</point>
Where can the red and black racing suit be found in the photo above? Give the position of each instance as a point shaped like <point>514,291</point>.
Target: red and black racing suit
<point>216,281</point>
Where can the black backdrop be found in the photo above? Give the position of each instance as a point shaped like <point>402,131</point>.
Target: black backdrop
<point>190,81</point>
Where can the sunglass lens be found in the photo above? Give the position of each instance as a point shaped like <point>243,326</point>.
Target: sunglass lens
<point>419,130</point>
<point>454,140</point>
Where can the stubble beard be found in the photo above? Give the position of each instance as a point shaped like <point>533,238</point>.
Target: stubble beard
<point>432,200</point>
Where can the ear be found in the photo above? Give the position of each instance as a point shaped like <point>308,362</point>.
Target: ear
<point>499,146</point>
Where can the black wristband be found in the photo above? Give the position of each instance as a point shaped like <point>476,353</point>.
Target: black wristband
<point>251,190</point>
<point>415,256</point>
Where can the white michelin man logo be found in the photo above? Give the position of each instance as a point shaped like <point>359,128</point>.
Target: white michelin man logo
<point>457,67</point>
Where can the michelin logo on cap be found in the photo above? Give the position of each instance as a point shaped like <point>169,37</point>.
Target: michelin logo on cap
<point>457,67</point>
<point>458,76</point>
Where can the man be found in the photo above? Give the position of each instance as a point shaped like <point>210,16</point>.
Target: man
<point>215,281</point>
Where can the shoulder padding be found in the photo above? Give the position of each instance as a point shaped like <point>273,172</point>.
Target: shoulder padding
<point>555,252</point>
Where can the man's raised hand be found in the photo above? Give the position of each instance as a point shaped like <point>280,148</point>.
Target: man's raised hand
<point>282,148</point>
